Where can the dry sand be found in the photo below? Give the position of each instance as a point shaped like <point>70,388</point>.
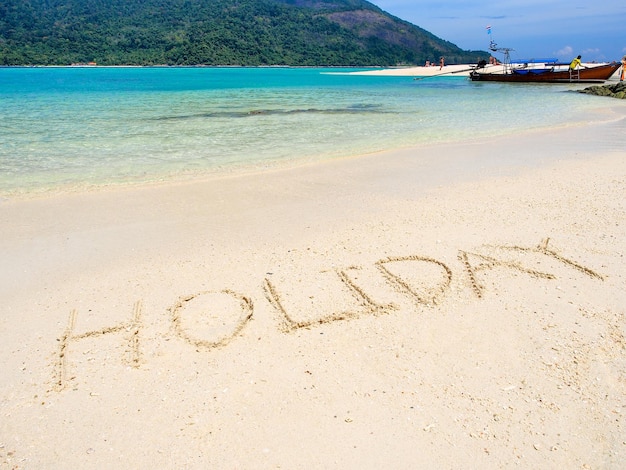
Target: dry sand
<point>458,306</point>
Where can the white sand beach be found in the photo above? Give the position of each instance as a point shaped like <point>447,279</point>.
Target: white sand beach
<point>449,306</point>
<point>461,70</point>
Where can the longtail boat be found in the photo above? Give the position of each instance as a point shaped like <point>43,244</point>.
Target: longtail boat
<point>539,70</point>
<point>545,72</point>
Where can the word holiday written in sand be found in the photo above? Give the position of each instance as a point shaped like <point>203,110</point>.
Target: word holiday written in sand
<point>439,276</point>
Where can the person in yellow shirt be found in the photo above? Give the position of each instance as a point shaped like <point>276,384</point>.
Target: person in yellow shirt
<point>576,63</point>
<point>621,78</point>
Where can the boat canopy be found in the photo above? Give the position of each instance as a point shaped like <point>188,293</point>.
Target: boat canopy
<point>549,60</point>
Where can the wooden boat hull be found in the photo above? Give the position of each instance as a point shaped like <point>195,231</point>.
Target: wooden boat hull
<point>595,74</point>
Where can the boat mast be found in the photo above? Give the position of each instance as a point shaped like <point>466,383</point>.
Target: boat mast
<point>505,50</point>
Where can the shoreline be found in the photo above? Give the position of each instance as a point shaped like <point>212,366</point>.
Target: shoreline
<point>610,115</point>
<point>150,160</point>
<point>361,312</point>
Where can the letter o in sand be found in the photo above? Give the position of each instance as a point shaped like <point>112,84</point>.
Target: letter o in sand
<point>211,319</point>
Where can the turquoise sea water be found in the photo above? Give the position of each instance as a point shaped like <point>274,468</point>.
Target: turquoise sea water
<point>76,127</point>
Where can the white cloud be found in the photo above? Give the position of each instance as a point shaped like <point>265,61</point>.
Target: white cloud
<point>591,51</point>
<point>567,50</point>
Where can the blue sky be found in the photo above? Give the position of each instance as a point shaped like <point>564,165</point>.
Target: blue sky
<point>534,28</point>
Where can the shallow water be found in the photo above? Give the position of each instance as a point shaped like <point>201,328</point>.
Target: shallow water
<point>69,127</point>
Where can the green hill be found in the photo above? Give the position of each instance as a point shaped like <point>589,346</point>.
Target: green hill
<point>214,32</point>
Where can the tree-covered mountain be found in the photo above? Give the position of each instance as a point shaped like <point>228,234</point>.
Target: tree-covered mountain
<point>214,32</point>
